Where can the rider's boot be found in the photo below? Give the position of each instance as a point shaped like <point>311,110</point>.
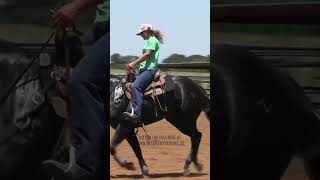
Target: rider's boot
<point>67,171</point>
<point>132,119</point>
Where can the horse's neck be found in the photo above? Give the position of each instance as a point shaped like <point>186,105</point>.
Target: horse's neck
<point>117,107</point>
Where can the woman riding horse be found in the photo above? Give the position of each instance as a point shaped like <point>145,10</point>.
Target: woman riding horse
<point>148,66</point>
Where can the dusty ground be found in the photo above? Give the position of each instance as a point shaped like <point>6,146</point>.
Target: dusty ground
<point>165,161</point>
<point>295,171</point>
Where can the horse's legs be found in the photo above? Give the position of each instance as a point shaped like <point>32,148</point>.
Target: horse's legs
<point>189,128</point>
<point>134,143</point>
<point>193,155</point>
<point>117,139</point>
<point>120,134</point>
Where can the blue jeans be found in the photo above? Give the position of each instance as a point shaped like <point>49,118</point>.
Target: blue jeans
<point>91,37</point>
<point>138,88</point>
<point>87,91</point>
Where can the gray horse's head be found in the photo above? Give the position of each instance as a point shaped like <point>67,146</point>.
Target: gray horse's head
<point>28,127</point>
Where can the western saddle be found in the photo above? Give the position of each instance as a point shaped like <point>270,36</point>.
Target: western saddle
<point>156,87</point>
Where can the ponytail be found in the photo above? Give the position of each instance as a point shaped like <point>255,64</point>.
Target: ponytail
<point>158,34</point>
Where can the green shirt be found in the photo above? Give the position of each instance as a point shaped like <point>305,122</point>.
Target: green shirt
<point>103,14</point>
<point>101,23</point>
<point>152,62</point>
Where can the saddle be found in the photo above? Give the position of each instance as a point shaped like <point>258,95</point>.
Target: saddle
<point>156,87</point>
<point>160,85</point>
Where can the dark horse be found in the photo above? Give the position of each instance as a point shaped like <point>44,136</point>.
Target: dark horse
<point>262,118</point>
<point>184,105</point>
<point>29,125</point>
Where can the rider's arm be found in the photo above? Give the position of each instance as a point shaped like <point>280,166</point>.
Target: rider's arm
<point>142,58</point>
<point>84,4</point>
<point>67,13</point>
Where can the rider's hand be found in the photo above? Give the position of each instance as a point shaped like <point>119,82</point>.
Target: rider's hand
<point>130,66</point>
<point>65,15</point>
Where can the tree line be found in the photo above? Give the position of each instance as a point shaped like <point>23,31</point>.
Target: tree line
<point>119,60</point>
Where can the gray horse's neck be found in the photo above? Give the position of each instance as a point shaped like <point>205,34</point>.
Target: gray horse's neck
<point>117,106</point>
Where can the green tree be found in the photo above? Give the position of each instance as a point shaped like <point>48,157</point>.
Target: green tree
<point>179,58</point>
<point>175,58</point>
<point>198,58</point>
<point>119,61</point>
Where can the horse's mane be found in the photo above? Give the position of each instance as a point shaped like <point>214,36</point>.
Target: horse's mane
<point>7,46</point>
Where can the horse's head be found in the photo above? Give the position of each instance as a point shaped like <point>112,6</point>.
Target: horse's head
<point>26,92</point>
<point>28,128</point>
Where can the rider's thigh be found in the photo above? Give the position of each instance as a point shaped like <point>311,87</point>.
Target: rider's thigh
<point>93,66</point>
<point>143,80</point>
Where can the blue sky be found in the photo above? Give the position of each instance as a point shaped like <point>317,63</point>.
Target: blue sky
<point>184,23</point>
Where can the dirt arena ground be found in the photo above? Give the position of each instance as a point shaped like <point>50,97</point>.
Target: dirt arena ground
<point>165,161</point>
<point>295,171</point>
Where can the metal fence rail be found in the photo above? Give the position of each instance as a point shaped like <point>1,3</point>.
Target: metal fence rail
<point>272,13</point>
<point>282,57</point>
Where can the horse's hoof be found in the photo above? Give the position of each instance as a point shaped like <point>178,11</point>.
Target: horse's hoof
<point>129,166</point>
<point>145,172</point>
<point>145,176</point>
<point>186,172</point>
<point>199,167</point>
